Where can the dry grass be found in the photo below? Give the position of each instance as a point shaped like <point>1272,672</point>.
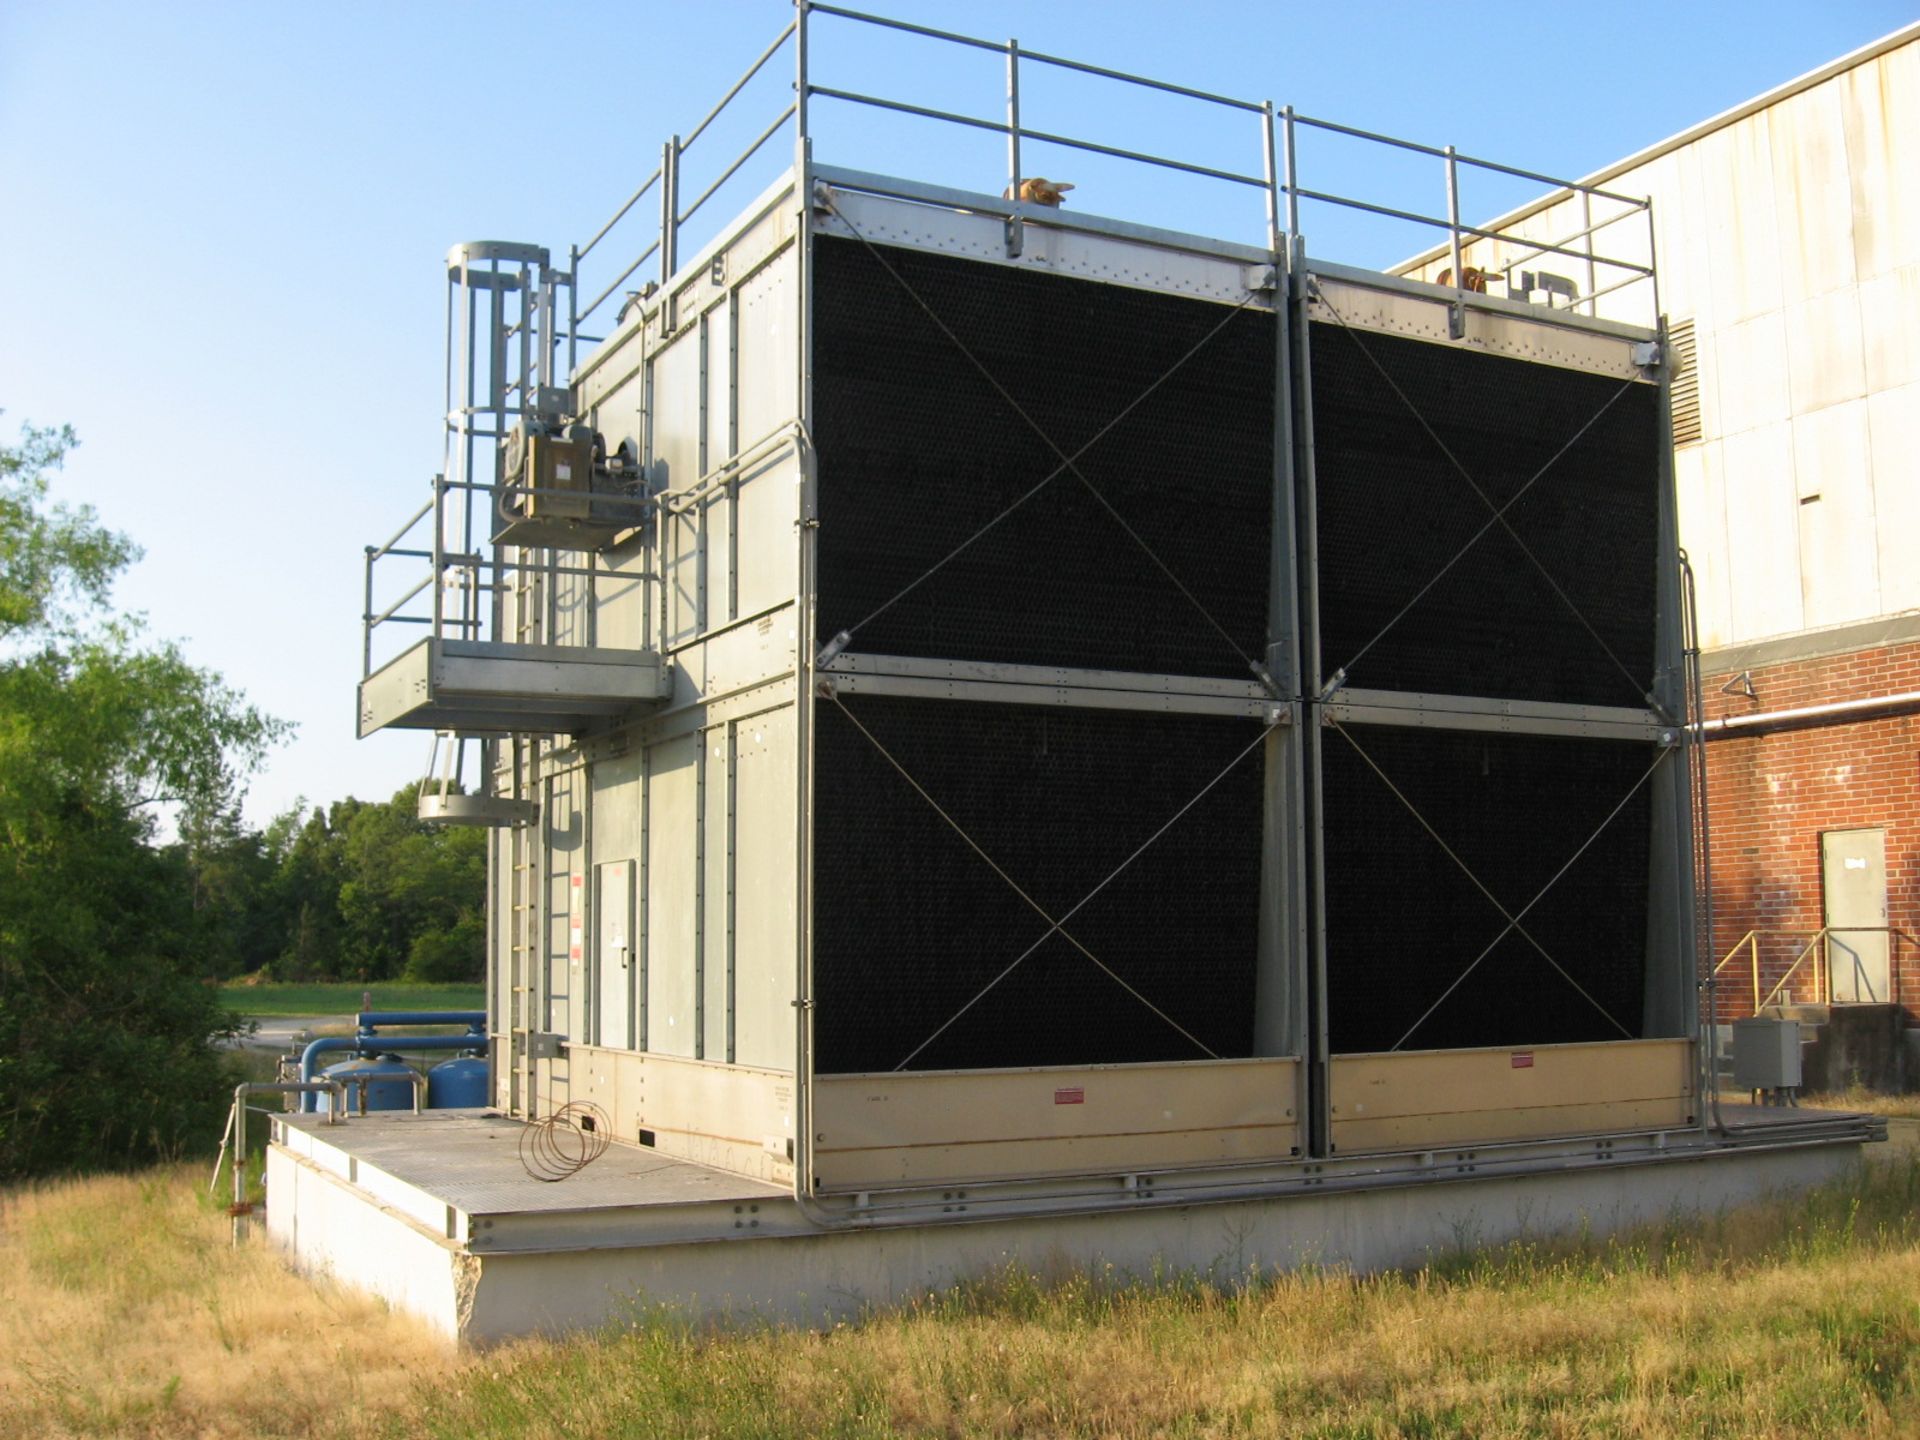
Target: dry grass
<point>1855,1097</point>
<point>131,1315</point>
<point>1800,1318</point>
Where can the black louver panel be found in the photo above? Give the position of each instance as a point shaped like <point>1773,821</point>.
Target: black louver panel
<point>1392,511</point>
<point>1403,922</point>
<point>910,924</point>
<point>917,451</point>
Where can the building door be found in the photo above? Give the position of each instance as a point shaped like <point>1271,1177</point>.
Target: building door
<point>613,955</point>
<point>1853,883</point>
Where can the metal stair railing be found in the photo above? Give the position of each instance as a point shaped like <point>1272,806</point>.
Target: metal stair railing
<point>1815,946</point>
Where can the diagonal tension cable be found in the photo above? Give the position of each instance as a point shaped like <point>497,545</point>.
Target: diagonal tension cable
<point>1013,885</point>
<point>1513,920</point>
<point>1056,925</point>
<point>1498,512</point>
<point>1067,463</point>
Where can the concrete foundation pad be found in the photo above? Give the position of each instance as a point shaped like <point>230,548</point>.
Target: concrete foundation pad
<point>649,1233</point>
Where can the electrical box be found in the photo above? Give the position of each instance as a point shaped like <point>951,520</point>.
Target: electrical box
<point>1766,1054</point>
<point>554,475</point>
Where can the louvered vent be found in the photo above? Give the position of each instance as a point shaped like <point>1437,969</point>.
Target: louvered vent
<point>1686,384</point>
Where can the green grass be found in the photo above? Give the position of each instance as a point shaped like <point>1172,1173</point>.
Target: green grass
<point>345,999</point>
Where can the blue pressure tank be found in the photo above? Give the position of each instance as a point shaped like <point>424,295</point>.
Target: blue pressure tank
<point>459,1084</point>
<point>389,1083</point>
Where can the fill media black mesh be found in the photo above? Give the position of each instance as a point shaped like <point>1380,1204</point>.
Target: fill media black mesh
<point>917,451</point>
<point>1392,511</point>
<point>1403,921</point>
<point>909,923</point>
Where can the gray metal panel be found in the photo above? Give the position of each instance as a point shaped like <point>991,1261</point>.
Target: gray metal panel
<point>715,918</point>
<point>675,419</point>
<point>768,547</point>
<point>672,895</point>
<point>615,954</point>
<point>766,365</point>
<point>763,893</point>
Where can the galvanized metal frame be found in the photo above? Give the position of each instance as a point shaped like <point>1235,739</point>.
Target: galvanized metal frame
<point>1292,1017</point>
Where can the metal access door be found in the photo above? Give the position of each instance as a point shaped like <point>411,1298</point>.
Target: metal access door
<point>614,954</point>
<point>1853,882</point>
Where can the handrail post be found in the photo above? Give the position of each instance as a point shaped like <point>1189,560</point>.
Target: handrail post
<point>1016,221</point>
<point>1593,279</point>
<point>366,618</point>
<point>669,209</point>
<point>1292,155</point>
<point>1271,171</point>
<point>439,553</point>
<point>573,309</point>
<point>1753,949</point>
<point>1457,320</point>
<point>802,82</point>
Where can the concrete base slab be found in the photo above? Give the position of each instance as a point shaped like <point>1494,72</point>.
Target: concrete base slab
<point>620,1246</point>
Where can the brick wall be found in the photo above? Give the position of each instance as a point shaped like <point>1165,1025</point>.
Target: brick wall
<point>1772,795</point>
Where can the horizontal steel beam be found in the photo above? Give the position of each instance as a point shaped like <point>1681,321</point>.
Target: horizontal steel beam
<point>985,682</point>
<point>1420,711</point>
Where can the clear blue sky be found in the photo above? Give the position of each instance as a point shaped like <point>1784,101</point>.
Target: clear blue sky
<point>222,225</point>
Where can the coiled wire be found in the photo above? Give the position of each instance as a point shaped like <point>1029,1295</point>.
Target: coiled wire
<point>566,1142</point>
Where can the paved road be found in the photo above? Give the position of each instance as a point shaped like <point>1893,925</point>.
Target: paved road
<point>283,1032</point>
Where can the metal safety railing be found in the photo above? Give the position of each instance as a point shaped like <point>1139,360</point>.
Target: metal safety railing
<point>457,584</point>
<point>1804,962</point>
<point>1273,168</point>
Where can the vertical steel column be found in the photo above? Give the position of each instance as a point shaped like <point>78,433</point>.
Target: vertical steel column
<point>1314,687</point>
<point>803,1124</point>
<point>1280,987</point>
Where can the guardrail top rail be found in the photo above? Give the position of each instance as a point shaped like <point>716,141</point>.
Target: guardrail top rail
<point>1272,166</point>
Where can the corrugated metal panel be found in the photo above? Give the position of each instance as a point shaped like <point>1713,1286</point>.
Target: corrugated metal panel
<point>672,894</point>
<point>1763,531</point>
<point>1893,420</point>
<point>763,890</point>
<point>1839,573</point>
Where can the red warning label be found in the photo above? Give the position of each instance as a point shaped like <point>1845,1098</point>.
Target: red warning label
<point>1523,1059</point>
<point>1077,1095</point>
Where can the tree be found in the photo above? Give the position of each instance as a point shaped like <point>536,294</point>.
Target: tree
<point>106,1033</point>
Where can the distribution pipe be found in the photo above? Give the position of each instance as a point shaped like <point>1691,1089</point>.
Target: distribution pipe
<point>373,1019</point>
<point>1811,714</point>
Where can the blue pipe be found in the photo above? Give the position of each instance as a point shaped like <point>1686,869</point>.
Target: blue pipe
<point>373,1019</point>
<point>368,1044</point>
